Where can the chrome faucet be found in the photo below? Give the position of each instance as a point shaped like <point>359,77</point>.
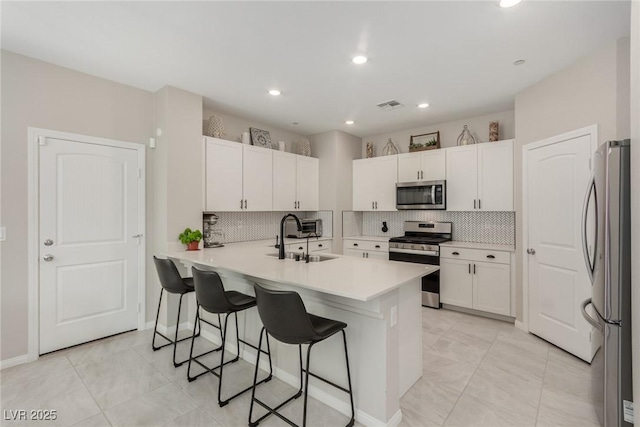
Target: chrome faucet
<point>306,258</point>
<point>284,218</point>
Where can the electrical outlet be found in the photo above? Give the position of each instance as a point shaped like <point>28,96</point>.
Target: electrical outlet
<point>394,316</point>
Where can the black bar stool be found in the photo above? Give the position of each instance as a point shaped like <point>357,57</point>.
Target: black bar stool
<point>173,283</point>
<point>212,297</point>
<point>286,319</point>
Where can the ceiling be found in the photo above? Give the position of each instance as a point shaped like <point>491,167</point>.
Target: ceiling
<point>456,55</point>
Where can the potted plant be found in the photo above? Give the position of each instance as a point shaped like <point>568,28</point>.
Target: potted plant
<point>191,238</point>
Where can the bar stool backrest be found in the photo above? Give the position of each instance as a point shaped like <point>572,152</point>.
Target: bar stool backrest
<point>210,291</point>
<point>284,316</point>
<point>169,276</point>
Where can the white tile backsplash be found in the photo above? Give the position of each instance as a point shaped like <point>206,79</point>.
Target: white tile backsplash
<point>480,227</point>
<point>247,226</point>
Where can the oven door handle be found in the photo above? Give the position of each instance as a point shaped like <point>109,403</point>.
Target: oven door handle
<point>413,251</point>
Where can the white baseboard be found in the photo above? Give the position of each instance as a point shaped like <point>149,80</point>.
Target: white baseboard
<point>521,326</point>
<point>249,354</point>
<point>15,361</point>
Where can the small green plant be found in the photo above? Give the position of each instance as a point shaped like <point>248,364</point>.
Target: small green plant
<point>188,236</point>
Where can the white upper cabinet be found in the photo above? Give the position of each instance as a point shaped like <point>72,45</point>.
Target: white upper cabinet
<point>480,177</point>
<point>237,177</point>
<point>423,166</point>
<point>495,176</point>
<point>374,184</point>
<point>462,178</point>
<point>257,171</point>
<point>295,182</point>
<point>223,175</point>
<point>307,181</point>
<point>284,181</point>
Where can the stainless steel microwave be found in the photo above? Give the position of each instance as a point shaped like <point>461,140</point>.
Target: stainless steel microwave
<point>421,195</point>
<point>310,226</point>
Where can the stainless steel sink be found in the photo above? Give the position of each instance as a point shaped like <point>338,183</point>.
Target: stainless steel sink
<point>312,258</point>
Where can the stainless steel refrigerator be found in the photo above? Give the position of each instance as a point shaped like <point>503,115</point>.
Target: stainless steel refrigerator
<point>607,249</point>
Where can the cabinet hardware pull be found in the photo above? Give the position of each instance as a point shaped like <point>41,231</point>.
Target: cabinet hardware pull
<point>421,174</point>
<point>469,268</point>
<point>372,205</point>
<point>245,203</point>
<point>300,248</point>
<point>240,203</point>
<point>320,245</point>
<point>474,203</point>
<point>367,254</point>
<point>490,256</point>
<point>355,244</point>
<point>455,253</point>
<point>377,246</point>
<point>418,174</point>
<point>376,205</point>
<point>474,269</point>
<point>362,254</point>
<point>479,204</point>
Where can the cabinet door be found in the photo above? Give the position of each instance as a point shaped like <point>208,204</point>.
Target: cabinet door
<point>223,175</point>
<point>385,175</point>
<point>307,183</point>
<point>462,178</point>
<point>257,176</point>
<point>284,181</point>
<point>495,176</point>
<point>363,183</point>
<point>456,282</point>
<point>492,288</point>
<point>377,255</point>
<point>433,165</point>
<point>354,252</point>
<point>409,167</point>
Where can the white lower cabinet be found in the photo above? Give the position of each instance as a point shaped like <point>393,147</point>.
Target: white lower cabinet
<point>314,246</point>
<point>366,248</point>
<point>476,278</point>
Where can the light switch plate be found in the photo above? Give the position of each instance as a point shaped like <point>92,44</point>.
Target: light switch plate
<point>3,234</point>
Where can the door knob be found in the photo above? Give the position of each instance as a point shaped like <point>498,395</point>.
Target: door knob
<point>531,251</point>
<point>48,257</point>
<point>48,242</point>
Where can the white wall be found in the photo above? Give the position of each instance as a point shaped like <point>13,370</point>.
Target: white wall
<point>235,125</point>
<point>449,132</point>
<point>38,94</point>
<point>583,94</point>
<point>336,151</point>
<point>635,197</point>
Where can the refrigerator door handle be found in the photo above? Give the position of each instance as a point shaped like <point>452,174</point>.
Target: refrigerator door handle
<point>585,210</point>
<point>593,322</point>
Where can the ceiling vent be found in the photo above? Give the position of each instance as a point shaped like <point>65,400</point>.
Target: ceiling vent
<point>390,105</point>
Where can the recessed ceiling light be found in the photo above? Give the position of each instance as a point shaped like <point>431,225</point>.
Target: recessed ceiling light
<point>423,105</point>
<point>274,92</point>
<point>349,122</point>
<point>360,59</point>
<point>508,3</point>
<point>519,62</point>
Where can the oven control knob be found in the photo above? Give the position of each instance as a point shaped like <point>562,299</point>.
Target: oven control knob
<point>423,247</point>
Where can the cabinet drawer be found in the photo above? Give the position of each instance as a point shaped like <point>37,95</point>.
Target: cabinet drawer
<point>324,245</point>
<point>313,246</point>
<point>481,255</point>
<point>366,245</point>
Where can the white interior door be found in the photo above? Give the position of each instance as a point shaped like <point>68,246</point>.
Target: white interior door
<point>556,182</point>
<point>89,263</point>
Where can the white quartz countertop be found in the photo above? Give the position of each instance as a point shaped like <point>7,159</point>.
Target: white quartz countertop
<point>485,246</point>
<point>356,278</point>
<point>369,238</point>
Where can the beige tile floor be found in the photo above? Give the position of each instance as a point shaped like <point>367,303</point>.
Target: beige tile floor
<point>476,372</point>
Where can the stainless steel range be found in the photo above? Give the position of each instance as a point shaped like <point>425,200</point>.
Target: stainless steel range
<point>421,244</point>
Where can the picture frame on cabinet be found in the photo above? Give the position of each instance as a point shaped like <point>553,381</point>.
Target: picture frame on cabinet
<point>426,141</point>
<point>260,138</point>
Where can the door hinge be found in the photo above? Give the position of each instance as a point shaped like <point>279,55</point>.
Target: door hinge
<point>42,140</point>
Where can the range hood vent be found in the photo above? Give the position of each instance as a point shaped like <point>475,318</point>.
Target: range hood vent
<point>389,105</point>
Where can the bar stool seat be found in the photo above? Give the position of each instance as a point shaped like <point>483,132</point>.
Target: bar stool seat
<point>172,283</point>
<point>285,317</point>
<point>213,298</point>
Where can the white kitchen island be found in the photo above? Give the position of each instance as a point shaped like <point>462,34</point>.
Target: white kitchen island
<point>380,301</point>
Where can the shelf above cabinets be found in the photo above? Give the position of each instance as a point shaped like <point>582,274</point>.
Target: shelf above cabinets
<point>240,177</point>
